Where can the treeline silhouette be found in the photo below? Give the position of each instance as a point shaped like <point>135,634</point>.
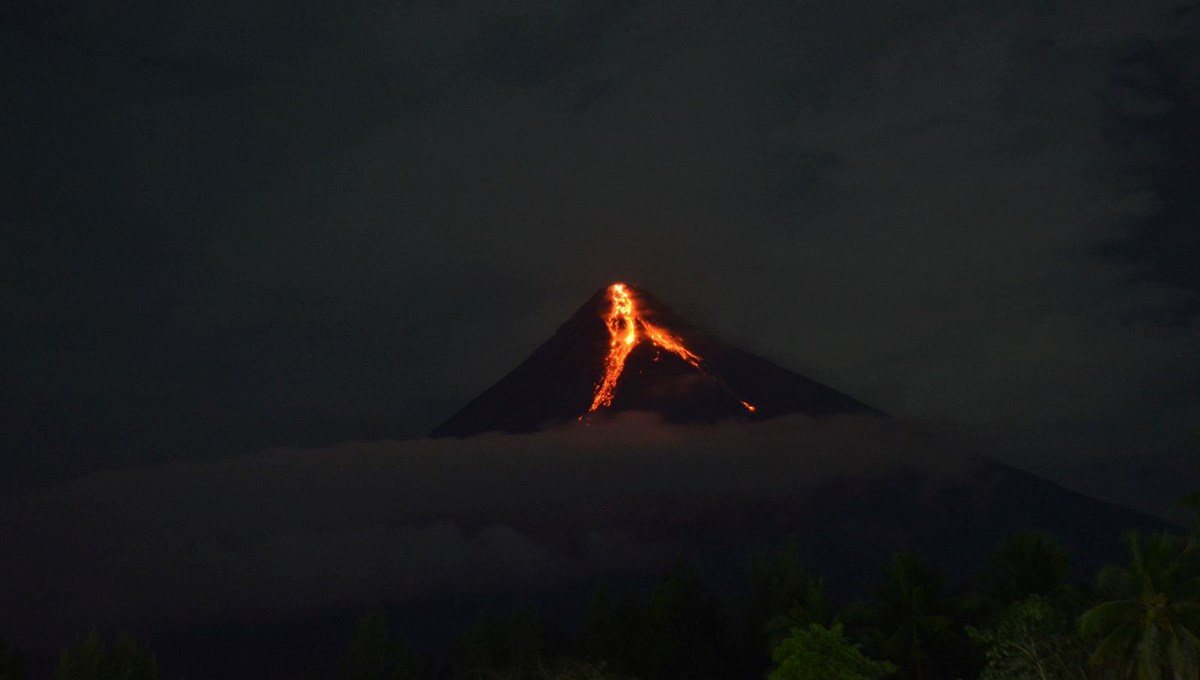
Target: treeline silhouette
<point>1025,616</point>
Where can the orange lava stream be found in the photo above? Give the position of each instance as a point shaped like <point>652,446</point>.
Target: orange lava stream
<point>622,328</point>
<point>623,323</point>
<point>669,342</point>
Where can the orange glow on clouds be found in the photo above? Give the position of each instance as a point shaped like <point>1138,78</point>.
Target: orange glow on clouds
<point>626,328</point>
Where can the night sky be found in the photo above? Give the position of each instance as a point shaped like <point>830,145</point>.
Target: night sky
<point>230,226</point>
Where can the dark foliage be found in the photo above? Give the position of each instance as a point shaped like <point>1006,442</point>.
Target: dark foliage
<point>911,620</point>
<point>516,645</point>
<point>375,653</point>
<point>90,659</point>
<point>12,666</point>
<point>1026,617</point>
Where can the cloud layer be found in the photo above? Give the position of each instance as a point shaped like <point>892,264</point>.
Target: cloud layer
<point>285,534</point>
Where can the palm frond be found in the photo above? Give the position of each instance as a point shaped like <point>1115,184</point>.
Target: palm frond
<point>1106,615</point>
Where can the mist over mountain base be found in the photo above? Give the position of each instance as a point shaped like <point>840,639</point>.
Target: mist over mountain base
<point>287,539</point>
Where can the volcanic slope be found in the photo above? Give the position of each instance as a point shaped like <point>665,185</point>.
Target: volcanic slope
<point>654,360</point>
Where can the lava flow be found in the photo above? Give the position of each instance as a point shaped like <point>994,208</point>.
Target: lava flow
<point>626,328</point>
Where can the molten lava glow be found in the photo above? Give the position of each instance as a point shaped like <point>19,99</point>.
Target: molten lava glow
<point>622,329</point>
<point>625,329</point>
<point>669,342</point>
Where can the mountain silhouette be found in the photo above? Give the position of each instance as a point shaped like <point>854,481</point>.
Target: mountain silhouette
<point>691,377</point>
<point>666,366</point>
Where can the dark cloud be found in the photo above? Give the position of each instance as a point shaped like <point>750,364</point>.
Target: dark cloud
<point>293,532</point>
<point>236,226</point>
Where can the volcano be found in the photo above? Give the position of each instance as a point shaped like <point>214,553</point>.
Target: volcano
<point>623,350</point>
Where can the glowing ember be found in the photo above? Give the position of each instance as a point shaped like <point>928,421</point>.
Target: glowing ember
<point>626,328</point>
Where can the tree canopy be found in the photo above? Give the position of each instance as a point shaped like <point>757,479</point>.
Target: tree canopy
<point>820,653</point>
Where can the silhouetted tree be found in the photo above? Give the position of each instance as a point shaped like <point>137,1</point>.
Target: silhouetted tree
<point>563,669</point>
<point>82,660</point>
<point>1148,627</point>
<point>131,661</point>
<point>375,653</point>
<point>507,647</point>
<point>611,631</point>
<point>785,594</point>
<point>12,666</point>
<point>89,659</point>
<point>1028,563</point>
<point>910,620</point>
<point>1034,639</point>
<point>820,653</point>
<point>684,632</point>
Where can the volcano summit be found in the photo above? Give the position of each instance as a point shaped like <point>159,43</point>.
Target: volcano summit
<point>623,350</point>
